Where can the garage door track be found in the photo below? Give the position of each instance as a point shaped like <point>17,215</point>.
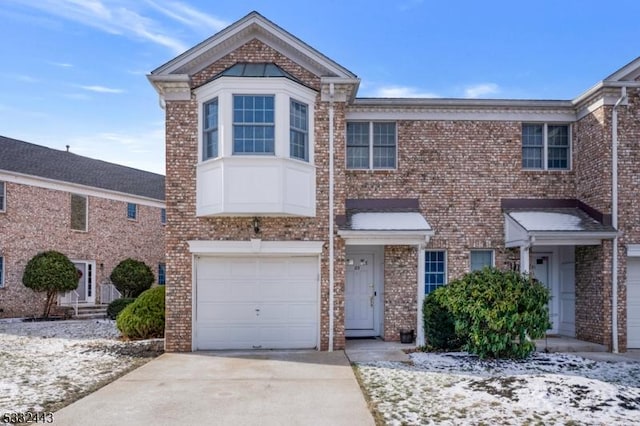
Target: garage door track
<point>229,388</point>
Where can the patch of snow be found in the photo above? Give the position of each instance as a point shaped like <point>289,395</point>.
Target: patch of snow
<point>390,221</point>
<point>548,221</point>
<point>44,364</point>
<point>458,388</point>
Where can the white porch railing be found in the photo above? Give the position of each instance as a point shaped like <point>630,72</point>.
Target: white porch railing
<point>70,298</point>
<point>108,293</point>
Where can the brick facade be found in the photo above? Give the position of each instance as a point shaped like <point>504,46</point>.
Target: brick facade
<point>459,169</point>
<point>38,219</point>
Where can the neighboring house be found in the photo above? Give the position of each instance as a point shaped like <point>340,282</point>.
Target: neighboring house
<point>273,242</point>
<point>96,213</point>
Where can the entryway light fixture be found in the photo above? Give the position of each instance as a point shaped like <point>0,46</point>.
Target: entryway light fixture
<point>256,225</point>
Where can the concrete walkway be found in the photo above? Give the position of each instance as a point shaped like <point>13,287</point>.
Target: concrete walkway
<point>229,388</point>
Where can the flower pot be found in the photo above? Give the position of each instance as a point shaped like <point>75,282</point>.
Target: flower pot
<point>406,336</point>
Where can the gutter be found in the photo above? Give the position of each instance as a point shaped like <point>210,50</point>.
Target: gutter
<point>331,220</point>
<point>614,218</point>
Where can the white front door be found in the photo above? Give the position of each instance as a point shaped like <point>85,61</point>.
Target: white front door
<point>360,295</point>
<point>568,299</point>
<point>86,281</point>
<point>542,272</point>
<point>633,302</point>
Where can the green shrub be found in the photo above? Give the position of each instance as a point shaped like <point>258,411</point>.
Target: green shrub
<point>144,318</point>
<point>439,325</point>
<point>51,272</point>
<point>117,306</point>
<point>131,277</point>
<point>498,312</point>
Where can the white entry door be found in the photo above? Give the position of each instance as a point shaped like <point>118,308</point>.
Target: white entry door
<point>633,303</point>
<point>542,272</point>
<point>568,299</point>
<point>86,279</point>
<point>360,295</point>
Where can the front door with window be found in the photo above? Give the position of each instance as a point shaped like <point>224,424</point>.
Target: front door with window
<point>86,278</point>
<point>360,296</point>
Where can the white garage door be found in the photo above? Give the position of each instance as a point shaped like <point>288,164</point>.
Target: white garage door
<point>256,303</point>
<point>633,302</point>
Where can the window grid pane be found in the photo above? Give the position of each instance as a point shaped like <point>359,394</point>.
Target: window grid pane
<point>253,124</point>
<point>357,145</point>
<point>480,259</point>
<point>299,133</point>
<point>558,147</point>
<point>2,196</point>
<point>210,130</point>
<point>435,270</point>
<point>162,274</point>
<point>131,211</point>
<point>532,146</point>
<point>384,145</point>
<point>163,216</point>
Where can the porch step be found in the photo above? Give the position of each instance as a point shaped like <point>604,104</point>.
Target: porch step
<point>91,312</point>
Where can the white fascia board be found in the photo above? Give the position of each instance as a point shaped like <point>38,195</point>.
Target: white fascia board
<point>464,114</point>
<point>398,238</point>
<point>570,239</point>
<point>633,250</point>
<point>57,185</point>
<point>255,246</point>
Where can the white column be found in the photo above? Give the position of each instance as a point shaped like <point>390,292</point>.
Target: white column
<point>524,259</point>
<point>420,298</point>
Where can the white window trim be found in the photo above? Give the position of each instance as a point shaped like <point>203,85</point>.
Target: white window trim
<point>284,90</point>
<point>370,168</point>
<point>545,147</point>
<point>446,265</point>
<point>86,212</point>
<point>493,256</point>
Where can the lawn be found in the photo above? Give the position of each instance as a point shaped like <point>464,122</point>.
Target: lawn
<point>45,366</point>
<point>457,388</point>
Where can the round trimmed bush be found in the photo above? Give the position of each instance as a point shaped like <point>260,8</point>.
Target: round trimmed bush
<point>498,313</point>
<point>50,272</point>
<point>117,306</point>
<point>131,277</point>
<point>144,318</point>
<point>439,324</point>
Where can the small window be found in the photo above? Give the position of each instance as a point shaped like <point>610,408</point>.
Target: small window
<point>481,258</point>
<point>162,273</point>
<point>1,271</point>
<point>546,146</point>
<point>78,212</point>
<point>253,124</point>
<point>132,211</point>
<point>3,196</point>
<point>299,131</point>
<point>210,129</point>
<point>163,216</point>
<point>435,270</point>
<point>371,145</point>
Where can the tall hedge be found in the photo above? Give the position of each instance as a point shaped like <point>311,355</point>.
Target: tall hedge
<point>498,313</point>
<point>439,323</point>
<point>131,277</point>
<point>50,272</point>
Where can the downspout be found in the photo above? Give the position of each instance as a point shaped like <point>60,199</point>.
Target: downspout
<point>331,238</point>
<point>614,219</point>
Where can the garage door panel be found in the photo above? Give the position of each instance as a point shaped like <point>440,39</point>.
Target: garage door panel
<point>229,290</point>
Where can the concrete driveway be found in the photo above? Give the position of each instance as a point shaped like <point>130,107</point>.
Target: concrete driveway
<point>229,388</point>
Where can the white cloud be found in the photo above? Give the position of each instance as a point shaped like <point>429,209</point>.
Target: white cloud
<point>190,16</point>
<point>61,64</point>
<point>101,89</point>
<point>481,90</point>
<point>402,92</point>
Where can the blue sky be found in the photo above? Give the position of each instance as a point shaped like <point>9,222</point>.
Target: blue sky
<point>74,71</point>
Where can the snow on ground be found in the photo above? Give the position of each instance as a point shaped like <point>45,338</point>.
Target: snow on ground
<point>47,365</point>
<point>549,389</point>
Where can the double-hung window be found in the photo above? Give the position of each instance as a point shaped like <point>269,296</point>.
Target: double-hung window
<point>162,273</point>
<point>3,197</point>
<point>371,145</point>
<point>78,212</point>
<point>435,270</point>
<point>253,124</point>
<point>546,146</point>
<point>210,129</point>
<point>480,259</point>
<point>299,131</point>
<point>163,216</point>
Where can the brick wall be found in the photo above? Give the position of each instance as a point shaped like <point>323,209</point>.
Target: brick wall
<point>400,292</point>
<point>38,219</point>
